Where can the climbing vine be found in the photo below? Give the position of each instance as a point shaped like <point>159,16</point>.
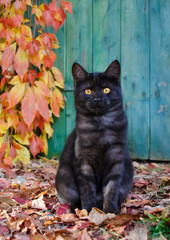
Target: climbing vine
<point>30,84</point>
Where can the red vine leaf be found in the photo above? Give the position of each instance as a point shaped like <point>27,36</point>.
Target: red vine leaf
<point>36,145</point>
<point>67,6</point>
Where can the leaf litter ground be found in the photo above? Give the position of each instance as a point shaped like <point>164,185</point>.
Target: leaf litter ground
<point>29,208</point>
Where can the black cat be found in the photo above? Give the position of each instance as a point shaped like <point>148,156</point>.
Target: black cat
<point>95,169</point>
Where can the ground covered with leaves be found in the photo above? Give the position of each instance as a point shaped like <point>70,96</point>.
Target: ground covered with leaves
<point>29,208</point>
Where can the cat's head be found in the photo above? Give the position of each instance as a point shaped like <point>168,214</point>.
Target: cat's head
<point>97,93</point>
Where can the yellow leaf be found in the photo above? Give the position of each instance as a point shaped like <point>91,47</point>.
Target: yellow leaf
<point>55,46</point>
<point>59,97</point>
<point>26,20</point>
<point>38,13</point>
<point>41,54</point>
<point>1,141</point>
<point>23,155</point>
<point>59,77</point>
<point>44,78</point>
<point>26,30</point>
<point>41,7</point>
<point>24,141</point>
<point>1,26</point>
<point>44,138</point>
<point>28,2</point>
<point>0,55</point>
<point>16,94</point>
<point>9,121</point>
<point>47,78</point>
<point>48,129</point>
<point>15,80</point>
<point>2,46</point>
<point>7,150</point>
<point>3,127</point>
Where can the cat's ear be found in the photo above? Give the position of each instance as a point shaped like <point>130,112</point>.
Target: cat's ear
<point>79,73</point>
<point>113,71</point>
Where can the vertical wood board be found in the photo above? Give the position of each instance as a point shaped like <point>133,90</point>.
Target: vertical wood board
<point>79,49</point>
<point>160,79</point>
<point>106,33</point>
<point>135,74</point>
<point>56,143</point>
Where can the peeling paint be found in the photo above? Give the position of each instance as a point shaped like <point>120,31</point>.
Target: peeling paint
<point>162,108</point>
<point>127,105</point>
<point>163,83</point>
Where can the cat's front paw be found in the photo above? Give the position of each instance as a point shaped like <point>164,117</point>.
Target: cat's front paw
<point>111,208</point>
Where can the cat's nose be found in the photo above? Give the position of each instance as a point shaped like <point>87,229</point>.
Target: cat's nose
<point>97,99</point>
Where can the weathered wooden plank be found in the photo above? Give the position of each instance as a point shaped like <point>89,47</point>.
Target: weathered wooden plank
<point>70,113</point>
<point>135,74</point>
<point>106,33</point>
<point>160,79</point>
<point>56,143</point>
<point>79,49</point>
<point>79,36</point>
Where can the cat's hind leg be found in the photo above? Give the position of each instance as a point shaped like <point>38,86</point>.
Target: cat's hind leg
<point>67,191</point>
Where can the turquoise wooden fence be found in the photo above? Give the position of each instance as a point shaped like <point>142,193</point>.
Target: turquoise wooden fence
<point>137,32</point>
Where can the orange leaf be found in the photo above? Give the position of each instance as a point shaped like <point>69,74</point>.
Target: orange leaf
<point>47,15</point>
<point>67,6</point>
<point>43,88</point>
<point>49,59</point>
<point>56,24</point>
<point>19,5</point>
<point>16,94</point>
<point>21,39</point>
<point>17,20</point>
<point>33,47</point>
<point>8,161</point>
<point>36,145</point>
<point>48,39</point>
<point>15,121</point>
<point>30,76</point>
<point>17,145</point>
<point>35,60</point>
<point>3,149</point>
<point>8,57</point>
<point>42,104</point>
<point>38,122</point>
<point>22,129</point>
<point>12,152</point>
<point>55,107</point>
<point>28,107</point>
<point>21,62</point>
<point>62,14</point>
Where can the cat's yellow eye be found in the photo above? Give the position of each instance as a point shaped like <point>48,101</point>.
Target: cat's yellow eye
<point>88,91</point>
<point>106,90</point>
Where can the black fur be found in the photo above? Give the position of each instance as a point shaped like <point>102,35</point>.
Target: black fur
<point>95,169</point>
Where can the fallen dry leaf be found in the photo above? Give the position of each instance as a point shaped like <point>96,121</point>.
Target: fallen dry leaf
<point>39,203</point>
<point>139,233</point>
<point>29,209</point>
<point>96,216</point>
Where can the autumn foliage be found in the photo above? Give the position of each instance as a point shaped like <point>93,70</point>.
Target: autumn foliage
<point>30,84</point>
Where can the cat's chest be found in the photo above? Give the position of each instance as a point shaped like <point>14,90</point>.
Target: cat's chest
<point>96,131</point>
